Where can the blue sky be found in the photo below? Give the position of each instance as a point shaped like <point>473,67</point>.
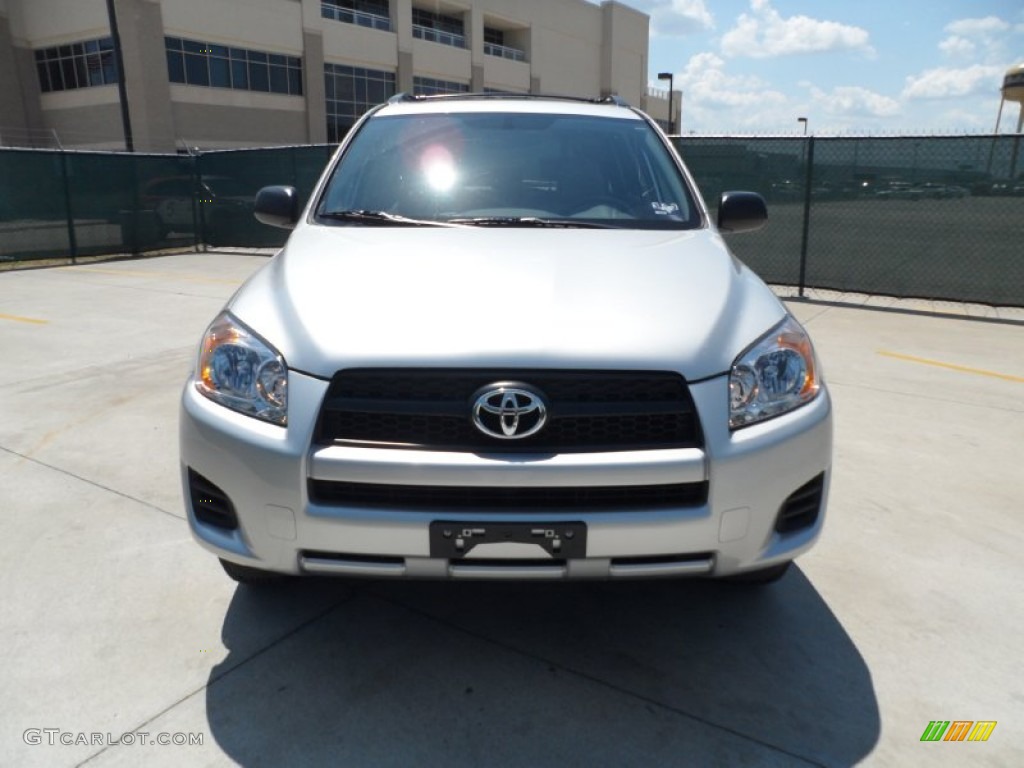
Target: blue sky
<point>852,67</point>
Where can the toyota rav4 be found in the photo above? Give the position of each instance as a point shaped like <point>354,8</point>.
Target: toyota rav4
<point>506,340</point>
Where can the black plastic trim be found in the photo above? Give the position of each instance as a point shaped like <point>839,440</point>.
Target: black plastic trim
<point>516,499</point>
<point>802,507</point>
<point>210,504</point>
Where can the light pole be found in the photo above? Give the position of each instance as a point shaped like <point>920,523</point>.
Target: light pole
<point>804,121</point>
<point>671,114</point>
<point>122,91</point>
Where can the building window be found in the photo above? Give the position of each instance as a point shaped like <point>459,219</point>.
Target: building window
<point>76,65</point>
<point>350,92</point>
<point>494,45</point>
<point>428,86</point>
<point>438,28</point>
<point>217,66</point>
<point>374,14</point>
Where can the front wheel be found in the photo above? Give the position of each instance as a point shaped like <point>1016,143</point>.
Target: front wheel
<point>252,577</point>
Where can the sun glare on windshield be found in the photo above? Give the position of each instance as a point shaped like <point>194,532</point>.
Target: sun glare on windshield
<point>438,168</point>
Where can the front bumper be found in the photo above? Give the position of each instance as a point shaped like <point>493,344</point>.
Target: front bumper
<point>264,471</point>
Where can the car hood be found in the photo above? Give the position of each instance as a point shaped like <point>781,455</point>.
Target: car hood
<point>339,297</point>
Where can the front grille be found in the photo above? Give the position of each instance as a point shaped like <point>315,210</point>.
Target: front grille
<point>802,507</point>
<point>444,498</point>
<point>210,504</point>
<point>588,411</point>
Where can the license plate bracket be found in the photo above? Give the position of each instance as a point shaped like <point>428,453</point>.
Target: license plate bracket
<point>456,539</point>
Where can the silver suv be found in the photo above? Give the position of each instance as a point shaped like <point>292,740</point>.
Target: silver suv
<point>505,340</point>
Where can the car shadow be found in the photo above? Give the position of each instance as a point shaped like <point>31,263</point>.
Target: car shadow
<point>643,673</point>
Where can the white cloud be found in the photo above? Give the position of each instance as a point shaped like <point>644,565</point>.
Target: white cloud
<point>765,33</point>
<point>707,85</point>
<point>694,12</point>
<point>945,82</point>
<point>718,99</point>
<point>982,40</point>
<point>852,100</point>
<point>712,96</point>
<point>957,47</point>
<point>670,18</point>
<point>977,27</point>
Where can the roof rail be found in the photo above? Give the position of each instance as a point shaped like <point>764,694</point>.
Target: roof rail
<point>406,97</point>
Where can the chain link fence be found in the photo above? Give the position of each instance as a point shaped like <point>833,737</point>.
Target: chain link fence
<point>922,217</point>
<point>57,204</point>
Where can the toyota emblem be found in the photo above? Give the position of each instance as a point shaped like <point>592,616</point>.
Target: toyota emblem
<point>509,411</point>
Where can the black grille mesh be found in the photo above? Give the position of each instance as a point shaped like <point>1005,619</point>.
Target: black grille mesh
<point>587,410</point>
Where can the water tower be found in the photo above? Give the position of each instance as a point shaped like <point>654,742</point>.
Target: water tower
<point>1013,90</point>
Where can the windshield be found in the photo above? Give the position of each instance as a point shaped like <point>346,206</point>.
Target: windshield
<point>508,169</point>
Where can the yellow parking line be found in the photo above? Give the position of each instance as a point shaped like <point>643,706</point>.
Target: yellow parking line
<point>171,275</point>
<point>18,319</point>
<point>952,366</point>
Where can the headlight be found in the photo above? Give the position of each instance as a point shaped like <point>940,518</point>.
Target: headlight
<point>242,372</point>
<point>774,376</point>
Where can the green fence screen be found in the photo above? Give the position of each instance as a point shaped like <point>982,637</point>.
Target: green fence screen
<point>924,217</point>
<point>929,217</point>
<point>74,204</point>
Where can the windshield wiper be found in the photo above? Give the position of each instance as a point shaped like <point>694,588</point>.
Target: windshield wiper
<point>529,221</point>
<point>382,218</point>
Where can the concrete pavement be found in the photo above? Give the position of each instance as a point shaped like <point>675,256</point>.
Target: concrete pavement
<point>115,622</point>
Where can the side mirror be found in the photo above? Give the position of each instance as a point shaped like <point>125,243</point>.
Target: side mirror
<point>277,206</point>
<point>741,212</point>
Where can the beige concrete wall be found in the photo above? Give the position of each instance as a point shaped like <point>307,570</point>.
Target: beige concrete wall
<point>141,28</point>
<point>87,118</point>
<point>505,73</point>
<point>240,100</point>
<point>213,126</point>
<point>657,106</point>
<point>573,47</point>
<point>403,83</point>
<point>28,82</point>
<point>442,61</point>
<point>13,117</point>
<point>313,88</point>
<point>96,125</point>
<point>219,117</point>
<point>52,22</point>
<point>474,23</point>
<point>359,47</point>
<point>265,25</point>
<point>624,52</point>
<point>80,98</point>
<point>401,22</point>
<point>567,64</point>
